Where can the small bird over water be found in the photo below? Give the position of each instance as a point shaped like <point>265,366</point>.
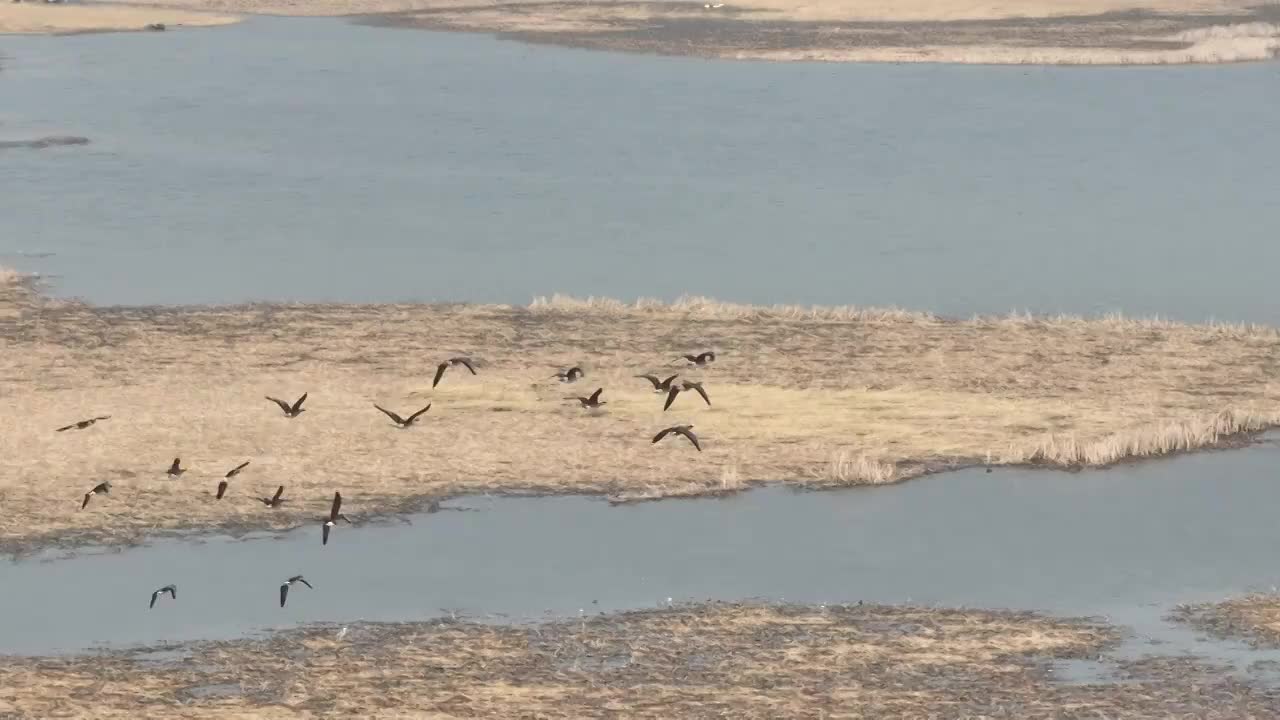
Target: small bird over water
<point>573,374</point>
<point>684,386</point>
<point>463,361</point>
<point>659,386</point>
<point>171,589</point>
<point>594,401</point>
<point>290,411</point>
<point>701,359</point>
<point>284,589</point>
<point>685,430</point>
<point>83,423</point>
<point>176,468</point>
<point>101,488</point>
<point>402,422</point>
<point>275,500</point>
<point>334,517</point>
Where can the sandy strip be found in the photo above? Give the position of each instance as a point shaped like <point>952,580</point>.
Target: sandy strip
<point>45,18</point>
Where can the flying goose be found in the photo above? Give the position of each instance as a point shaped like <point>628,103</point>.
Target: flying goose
<point>275,500</point>
<point>176,468</point>
<point>594,401</point>
<point>685,430</point>
<point>290,411</point>
<point>684,386</point>
<point>236,470</point>
<point>334,516</point>
<point>83,423</point>
<point>101,488</point>
<point>403,422</point>
<point>701,359</point>
<point>284,589</point>
<point>659,385</point>
<point>464,361</point>
<point>573,374</point>
<point>171,589</point>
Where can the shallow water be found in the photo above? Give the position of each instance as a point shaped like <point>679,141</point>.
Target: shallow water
<point>314,159</point>
<point>1126,543</point>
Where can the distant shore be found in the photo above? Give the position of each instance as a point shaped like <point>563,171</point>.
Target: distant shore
<point>41,18</point>
<point>1073,32</point>
<point>817,397</point>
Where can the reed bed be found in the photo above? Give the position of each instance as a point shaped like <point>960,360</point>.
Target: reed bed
<point>1253,618</point>
<point>812,396</point>
<point>698,661</point>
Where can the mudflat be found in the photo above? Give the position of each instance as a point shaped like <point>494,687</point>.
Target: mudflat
<point>40,17</point>
<point>817,397</point>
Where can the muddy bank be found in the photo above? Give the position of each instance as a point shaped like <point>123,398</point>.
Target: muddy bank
<point>687,661</point>
<point>744,32</point>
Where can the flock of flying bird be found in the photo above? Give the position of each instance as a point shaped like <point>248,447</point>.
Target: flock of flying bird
<point>667,385</point>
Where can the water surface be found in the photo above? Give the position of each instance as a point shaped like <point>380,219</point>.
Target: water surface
<point>314,159</point>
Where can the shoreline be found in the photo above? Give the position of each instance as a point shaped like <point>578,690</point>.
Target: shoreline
<point>1082,32</point>
<point>701,659</point>
<point>39,18</point>
<point>803,397</point>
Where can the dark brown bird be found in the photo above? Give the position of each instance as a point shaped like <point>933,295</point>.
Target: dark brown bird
<point>176,468</point>
<point>101,488</point>
<point>573,374</point>
<point>274,500</point>
<point>684,386</point>
<point>290,411</point>
<point>222,489</point>
<point>171,589</point>
<point>334,517</point>
<point>463,361</point>
<point>659,385</point>
<point>685,430</point>
<point>83,423</point>
<point>284,589</point>
<point>701,359</point>
<point>236,470</point>
<point>594,401</point>
<point>403,422</point>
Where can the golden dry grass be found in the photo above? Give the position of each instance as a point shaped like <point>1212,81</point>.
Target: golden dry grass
<point>814,396</point>
<point>710,660</point>
<point>1254,618</point>
<point>40,17</point>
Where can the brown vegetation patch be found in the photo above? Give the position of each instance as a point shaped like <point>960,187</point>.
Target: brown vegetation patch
<point>708,660</point>
<point>818,397</point>
<point>1252,618</point>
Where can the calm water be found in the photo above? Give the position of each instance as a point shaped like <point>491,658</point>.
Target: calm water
<point>316,159</point>
<point>1125,543</point>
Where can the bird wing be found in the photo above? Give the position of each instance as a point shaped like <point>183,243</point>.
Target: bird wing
<point>662,434</point>
<point>692,438</point>
<point>176,466</point>
<point>102,417</point>
<point>66,427</point>
<point>466,362</point>
<point>85,504</point>
<point>102,487</point>
<point>656,382</point>
<point>671,397</point>
<point>595,396</point>
<point>222,489</point>
<point>324,534</point>
<point>690,358</point>
<point>398,420</point>
<point>304,582</point>
<point>415,415</point>
<point>298,405</point>
<point>173,591</point>
<point>284,593</point>
<point>279,491</point>
<point>337,505</point>
<point>705,357</point>
<point>236,470</point>
<point>283,405</point>
<point>439,373</point>
<point>154,595</point>
<point>575,370</point>
<point>698,387</point>
<point>667,383</point>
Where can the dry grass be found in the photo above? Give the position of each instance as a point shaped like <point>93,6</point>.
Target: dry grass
<point>1254,618</point>
<point>813,396</point>
<point>39,17</point>
<point>712,660</point>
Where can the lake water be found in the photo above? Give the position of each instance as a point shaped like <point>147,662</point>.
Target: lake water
<point>1126,543</point>
<point>315,159</point>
